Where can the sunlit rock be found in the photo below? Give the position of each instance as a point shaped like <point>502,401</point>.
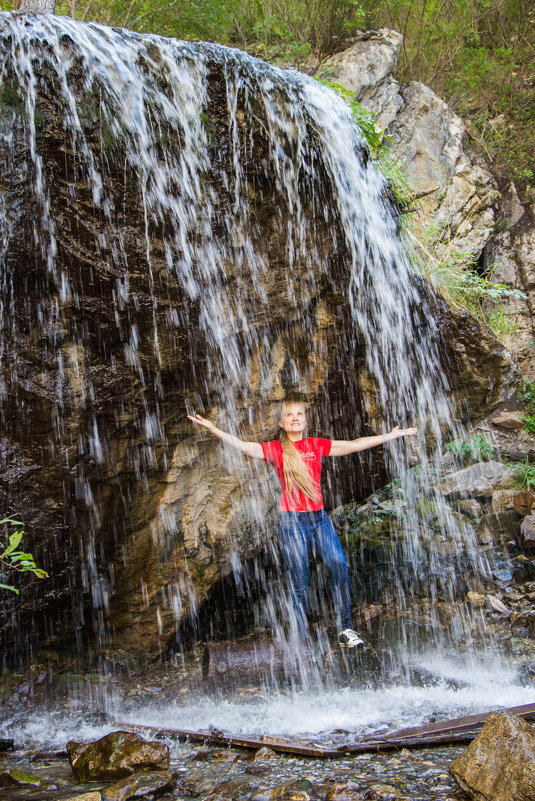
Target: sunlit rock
<point>499,764</point>
<point>479,480</point>
<point>470,507</point>
<point>524,502</point>
<point>512,420</point>
<point>141,785</point>
<point>116,756</point>
<point>511,256</point>
<point>503,500</point>
<point>366,68</point>
<point>475,600</point>
<point>527,531</point>
<point>428,138</point>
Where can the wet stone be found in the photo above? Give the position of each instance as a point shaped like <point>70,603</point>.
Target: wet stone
<point>186,788</point>
<point>225,755</point>
<point>265,753</point>
<point>383,792</point>
<point>140,786</point>
<point>238,788</point>
<point>344,792</point>
<point>116,756</point>
<point>15,777</point>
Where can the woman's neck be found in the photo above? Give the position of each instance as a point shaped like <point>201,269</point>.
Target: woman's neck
<point>294,436</point>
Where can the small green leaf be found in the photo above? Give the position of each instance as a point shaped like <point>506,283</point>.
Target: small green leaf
<point>40,573</point>
<point>9,587</point>
<point>13,542</point>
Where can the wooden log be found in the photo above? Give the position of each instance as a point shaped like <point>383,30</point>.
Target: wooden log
<point>246,660</point>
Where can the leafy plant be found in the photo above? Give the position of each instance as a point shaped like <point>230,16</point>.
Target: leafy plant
<point>475,448</point>
<point>14,559</point>
<point>372,133</point>
<point>525,475</point>
<point>527,395</point>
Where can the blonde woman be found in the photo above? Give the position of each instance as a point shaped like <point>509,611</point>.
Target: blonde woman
<point>303,522</point>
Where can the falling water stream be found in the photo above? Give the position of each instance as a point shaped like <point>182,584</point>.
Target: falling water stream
<point>182,279</point>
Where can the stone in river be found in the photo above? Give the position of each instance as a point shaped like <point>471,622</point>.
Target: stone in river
<point>499,764</point>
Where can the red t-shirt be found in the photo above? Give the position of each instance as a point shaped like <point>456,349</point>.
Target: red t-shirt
<point>312,449</point>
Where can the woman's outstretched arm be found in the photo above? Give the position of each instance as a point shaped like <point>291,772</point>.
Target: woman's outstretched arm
<point>253,449</point>
<point>341,447</point>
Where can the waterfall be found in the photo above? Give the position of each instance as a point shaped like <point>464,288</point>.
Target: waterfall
<point>184,226</point>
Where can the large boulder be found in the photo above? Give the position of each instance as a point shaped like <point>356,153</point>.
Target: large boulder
<point>463,210</point>
<point>366,68</point>
<point>116,756</point>
<point>499,764</point>
<point>479,480</point>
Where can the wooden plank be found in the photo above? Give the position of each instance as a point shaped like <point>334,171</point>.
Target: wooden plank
<point>218,738</point>
<point>426,741</point>
<point>456,724</point>
<point>447,732</point>
<point>303,749</point>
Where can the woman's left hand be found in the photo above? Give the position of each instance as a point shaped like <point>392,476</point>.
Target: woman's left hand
<point>404,432</point>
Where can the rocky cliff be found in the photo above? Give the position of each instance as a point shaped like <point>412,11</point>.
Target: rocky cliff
<point>179,230</point>
<point>463,208</point>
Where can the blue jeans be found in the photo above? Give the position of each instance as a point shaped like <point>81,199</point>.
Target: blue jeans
<point>298,532</point>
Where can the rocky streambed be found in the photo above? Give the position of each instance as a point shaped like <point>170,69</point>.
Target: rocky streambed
<point>215,773</point>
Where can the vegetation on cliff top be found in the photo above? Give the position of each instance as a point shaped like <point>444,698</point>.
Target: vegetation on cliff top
<point>479,55</point>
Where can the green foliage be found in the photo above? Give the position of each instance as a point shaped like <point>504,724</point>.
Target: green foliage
<point>372,133</point>
<point>454,275</point>
<point>273,29</point>
<point>14,559</point>
<point>525,475</point>
<point>479,56</point>
<point>527,395</point>
<point>472,449</point>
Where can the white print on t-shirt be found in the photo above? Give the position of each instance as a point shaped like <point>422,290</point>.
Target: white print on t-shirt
<point>310,455</point>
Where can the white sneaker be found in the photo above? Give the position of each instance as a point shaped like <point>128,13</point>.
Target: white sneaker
<point>349,639</point>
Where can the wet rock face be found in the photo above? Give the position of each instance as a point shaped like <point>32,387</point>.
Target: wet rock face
<point>151,264</point>
<point>499,765</point>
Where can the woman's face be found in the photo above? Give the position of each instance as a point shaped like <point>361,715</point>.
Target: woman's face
<point>293,419</point>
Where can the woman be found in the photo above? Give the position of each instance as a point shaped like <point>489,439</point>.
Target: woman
<point>303,522</point>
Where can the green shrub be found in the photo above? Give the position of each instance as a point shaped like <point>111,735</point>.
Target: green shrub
<point>525,475</point>
<point>527,395</point>
<point>475,448</point>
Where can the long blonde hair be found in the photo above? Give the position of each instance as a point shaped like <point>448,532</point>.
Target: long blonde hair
<point>295,470</point>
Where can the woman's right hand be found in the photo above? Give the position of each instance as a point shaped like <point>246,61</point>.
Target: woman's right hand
<point>201,421</point>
